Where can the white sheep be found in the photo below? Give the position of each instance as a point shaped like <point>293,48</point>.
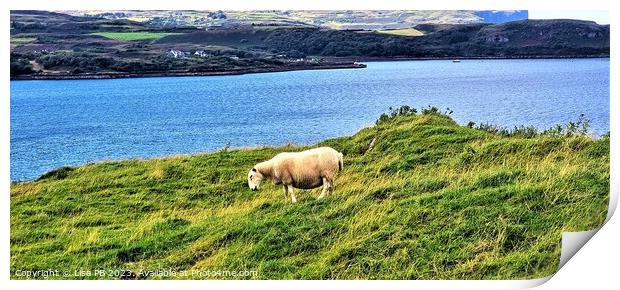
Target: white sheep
<point>303,170</point>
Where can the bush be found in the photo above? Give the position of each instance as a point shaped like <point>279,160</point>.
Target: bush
<point>394,113</point>
<point>20,66</point>
<point>579,127</point>
<point>408,111</point>
<point>57,174</point>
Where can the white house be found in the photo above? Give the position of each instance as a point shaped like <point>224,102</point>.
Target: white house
<point>201,53</point>
<point>177,53</point>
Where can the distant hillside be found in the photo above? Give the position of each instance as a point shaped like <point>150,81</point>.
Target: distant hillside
<point>117,44</point>
<point>334,19</point>
<point>560,36</point>
<point>525,38</point>
<point>52,22</point>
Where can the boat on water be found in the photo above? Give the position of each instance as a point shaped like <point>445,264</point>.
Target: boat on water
<point>456,60</point>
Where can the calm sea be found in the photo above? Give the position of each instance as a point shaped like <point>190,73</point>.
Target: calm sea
<point>71,122</point>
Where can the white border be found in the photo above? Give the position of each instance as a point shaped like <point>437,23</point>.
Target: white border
<point>602,259</point>
<point>312,5</point>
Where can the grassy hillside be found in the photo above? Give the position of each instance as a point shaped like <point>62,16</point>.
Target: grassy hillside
<point>429,199</point>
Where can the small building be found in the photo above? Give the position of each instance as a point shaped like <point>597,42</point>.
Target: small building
<point>177,53</point>
<point>201,53</point>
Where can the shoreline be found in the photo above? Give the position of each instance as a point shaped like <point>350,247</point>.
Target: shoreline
<point>591,135</point>
<point>97,76</point>
<point>382,59</point>
<point>344,63</point>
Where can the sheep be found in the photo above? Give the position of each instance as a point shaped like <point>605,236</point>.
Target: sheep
<point>303,170</point>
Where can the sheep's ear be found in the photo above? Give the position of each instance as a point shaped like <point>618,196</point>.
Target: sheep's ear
<point>254,169</point>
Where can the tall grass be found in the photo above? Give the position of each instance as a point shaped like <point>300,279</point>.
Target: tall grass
<point>420,197</point>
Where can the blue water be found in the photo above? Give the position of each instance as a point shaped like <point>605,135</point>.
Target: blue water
<point>71,122</point>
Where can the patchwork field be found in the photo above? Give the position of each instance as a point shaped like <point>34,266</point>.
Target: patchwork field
<point>134,36</point>
<point>402,31</point>
<point>17,41</point>
<point>420,197</point>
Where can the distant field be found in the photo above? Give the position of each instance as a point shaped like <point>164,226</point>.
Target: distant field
<point>17,41</point>
<point>133,36</point>
<point>402,31</point>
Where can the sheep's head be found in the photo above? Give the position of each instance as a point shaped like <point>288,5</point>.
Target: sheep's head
<point>254,179</point>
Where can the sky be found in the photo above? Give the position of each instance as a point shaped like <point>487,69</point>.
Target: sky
<point>599,16</point>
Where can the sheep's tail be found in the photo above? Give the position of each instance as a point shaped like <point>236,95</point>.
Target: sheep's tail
<point>340,161</point>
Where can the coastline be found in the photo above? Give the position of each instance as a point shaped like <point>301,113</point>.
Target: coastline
<point>184,73</point>
<point>334,63</point>
<point>379,59</point>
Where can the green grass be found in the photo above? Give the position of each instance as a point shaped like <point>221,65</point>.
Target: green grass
<point>134,36</point>
<point>430,200</point>
<point>402,32</point>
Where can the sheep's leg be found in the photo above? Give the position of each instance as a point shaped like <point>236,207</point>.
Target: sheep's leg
<point>325,188</point>
<point>290,189</point>
<point>285,193</point>
<point>330,186</point>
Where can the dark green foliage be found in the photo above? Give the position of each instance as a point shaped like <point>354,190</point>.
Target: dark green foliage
<point>20,66</point>
<point>59,173</point>
<point>393,113</point>
<point>579,127</point>
<point>451,40</point>
<point>407,111</point>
